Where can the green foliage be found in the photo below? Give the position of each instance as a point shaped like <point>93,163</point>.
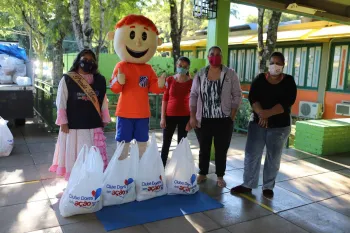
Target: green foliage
<point>268,13</point>
<point>113,11</point>
<point>47,21</point>
<point>159,12</point>
<point>212,152</point>
<point>160,65</point>
<point>243,116</point>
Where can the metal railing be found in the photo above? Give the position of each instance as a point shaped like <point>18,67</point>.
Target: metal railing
<point>45,106</point>
<point>44,103</point>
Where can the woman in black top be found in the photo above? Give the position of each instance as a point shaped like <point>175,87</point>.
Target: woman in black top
<point>271,96</point>
<point>81,121</point>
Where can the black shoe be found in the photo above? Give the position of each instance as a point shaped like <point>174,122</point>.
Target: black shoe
<point>240,189</point>
<point>268,193</point>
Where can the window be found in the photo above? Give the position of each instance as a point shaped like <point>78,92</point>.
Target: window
<point>188,54</point>
<point>304,64</point>
<point>201,54</point>
<point>340,68</point>
<point>313,72</point>
<point>299,66</point>
<point>244,62</point>
<point>289,58</point>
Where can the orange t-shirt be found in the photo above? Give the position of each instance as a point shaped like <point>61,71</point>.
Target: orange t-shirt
<point>140,79</point>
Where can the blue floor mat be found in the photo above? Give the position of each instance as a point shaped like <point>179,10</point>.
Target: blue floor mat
<point>169,206</point>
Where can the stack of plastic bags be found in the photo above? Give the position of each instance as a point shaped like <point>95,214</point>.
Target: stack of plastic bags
<point>13,67</point>
<point>127,180</point>
<point>6,139</point>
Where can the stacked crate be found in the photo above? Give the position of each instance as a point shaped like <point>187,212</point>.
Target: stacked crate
<point>323,137</point>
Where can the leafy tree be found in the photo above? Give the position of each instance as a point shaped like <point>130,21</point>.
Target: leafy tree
<point>46,22</point>
<point>159,11</point>
<point>104,15</point>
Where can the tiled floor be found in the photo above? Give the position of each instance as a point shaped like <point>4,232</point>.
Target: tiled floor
<point>312,194</point>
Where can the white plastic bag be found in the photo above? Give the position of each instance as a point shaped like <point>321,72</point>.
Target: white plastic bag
<point>181,171</point>
<point>21,70</point>
<point>5,79</point>
<point>84,190</point>
<point>23,81</point>
<point>8,65</point>
<point>6,139</point>
<point>150,182</point>
<point>119,178</point>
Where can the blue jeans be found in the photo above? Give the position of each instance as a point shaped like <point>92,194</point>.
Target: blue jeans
<point>274,139</point>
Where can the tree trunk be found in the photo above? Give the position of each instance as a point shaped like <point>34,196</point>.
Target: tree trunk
<point>101,37</point>
<point>87,29</point>
<point>272,33</point>
<point>57,62</point>
<point>261,48</point>
<point>76,22</point>
<point>176,31</point>
<point>266,50</point>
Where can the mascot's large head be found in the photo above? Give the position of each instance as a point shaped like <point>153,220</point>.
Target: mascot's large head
<point>135,39</point>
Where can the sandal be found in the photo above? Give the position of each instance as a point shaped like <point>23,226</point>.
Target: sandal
<point>221,183</point>
<point>201,179</point>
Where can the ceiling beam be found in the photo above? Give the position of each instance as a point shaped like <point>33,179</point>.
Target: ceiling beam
<point>278,6</point>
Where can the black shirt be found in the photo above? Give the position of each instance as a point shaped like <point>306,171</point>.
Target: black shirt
<point>81,113</point>
<point>269,95</point>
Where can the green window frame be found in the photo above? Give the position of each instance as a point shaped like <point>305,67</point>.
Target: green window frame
<point>303,62</point>
<point>339,72</point>
<point>244,62</point>
<point>201,53</point>
<point>187,53</point>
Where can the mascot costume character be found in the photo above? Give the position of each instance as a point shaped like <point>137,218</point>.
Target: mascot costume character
<point>135,42</point>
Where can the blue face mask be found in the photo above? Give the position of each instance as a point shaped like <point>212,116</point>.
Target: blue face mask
<point>181,70</point>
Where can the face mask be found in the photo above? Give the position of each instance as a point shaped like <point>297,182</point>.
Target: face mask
<point>86,66</point>
<point>215,60</point>
<point>275,69</point>
<point>181,70</point>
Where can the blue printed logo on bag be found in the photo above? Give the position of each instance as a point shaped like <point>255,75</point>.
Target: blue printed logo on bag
<point>120,190</point>
<point>186,187</point>
<point>153,186</point>
<point>86,202</point>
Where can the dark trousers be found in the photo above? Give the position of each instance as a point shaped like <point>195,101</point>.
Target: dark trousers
<point>221,130</point>
<point>168,132</point>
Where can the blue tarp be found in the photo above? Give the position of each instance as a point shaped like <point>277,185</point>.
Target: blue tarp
<point>13,51</point>
<point>156,209</point>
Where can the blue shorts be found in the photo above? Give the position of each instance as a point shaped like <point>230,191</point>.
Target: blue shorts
<point>132,128</point>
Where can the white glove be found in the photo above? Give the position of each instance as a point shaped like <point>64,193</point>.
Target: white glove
<point>161,81</point>
<point>120,77</point>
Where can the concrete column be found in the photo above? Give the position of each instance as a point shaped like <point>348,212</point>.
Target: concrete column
<point>217,33</point>
<point>323,79</point>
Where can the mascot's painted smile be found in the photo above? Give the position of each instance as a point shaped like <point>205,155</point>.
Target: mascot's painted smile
<point>136,54</point>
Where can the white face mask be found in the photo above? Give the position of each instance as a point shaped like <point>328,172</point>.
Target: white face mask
<point>275,69</point>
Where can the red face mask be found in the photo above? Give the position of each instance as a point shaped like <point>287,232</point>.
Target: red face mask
<point>215,60</point>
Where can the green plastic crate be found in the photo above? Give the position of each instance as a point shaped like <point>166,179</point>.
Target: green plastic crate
<point>322,137</point>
